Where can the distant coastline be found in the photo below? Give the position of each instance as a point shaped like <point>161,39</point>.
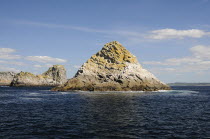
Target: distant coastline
<point>188,84</point>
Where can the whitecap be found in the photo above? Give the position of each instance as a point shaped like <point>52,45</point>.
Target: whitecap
<point>64,93</point>
<point>34,94</point>
<point>179,92</point>
<point>31,98</point>
<point>4,86</point>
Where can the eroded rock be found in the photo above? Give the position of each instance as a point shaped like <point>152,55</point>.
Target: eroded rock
<point>55,76</point>
<point>6,78</point>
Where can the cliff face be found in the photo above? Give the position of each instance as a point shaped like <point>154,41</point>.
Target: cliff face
<point>113,69</point>
<point>55,76</point>
<point>57,73</point>
<point>6,78</point>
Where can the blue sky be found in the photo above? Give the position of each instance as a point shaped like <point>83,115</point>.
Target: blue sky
<point>170,38</point>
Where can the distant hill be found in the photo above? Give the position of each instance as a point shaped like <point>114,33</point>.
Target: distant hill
<point>188,84</point>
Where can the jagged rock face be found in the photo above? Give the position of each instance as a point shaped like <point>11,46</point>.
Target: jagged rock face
<point>55,76</point>
<point>6,78</point>
<point>113,69</point>
<point>58,74</point>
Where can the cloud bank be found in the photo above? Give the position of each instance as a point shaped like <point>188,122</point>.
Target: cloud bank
<point>199,61</point>
<point>45,59</point>
<point>7,53</point>
<point>7,57</point>
<point>176,34</point>
<point>160,34</point>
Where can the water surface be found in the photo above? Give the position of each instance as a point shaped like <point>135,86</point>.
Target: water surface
<point>183,112</point>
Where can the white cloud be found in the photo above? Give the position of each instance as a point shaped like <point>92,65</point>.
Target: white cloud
<point>41,66</point>
<point>7,57</point>
<point>183,66</point>
<point>6,53</point>
<point>76,66</point>
<point>80,28</point>
<point>12,62</point>
<point>6,69</point>
<point>161,69</point>
<point>10,56</point>
<point>45,59</point>
<point>38,66</point>
<point>198,62</point>
<point>180,34</point>
<point>154,63</point>
<point>174,61</point>
<point>201,51</point>
<point>49,25</point>
<point>6,50</point>
<point>131,36</point>
<point>178,61</point>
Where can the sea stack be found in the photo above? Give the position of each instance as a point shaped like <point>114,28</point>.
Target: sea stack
<point>113,68</point>
<point>55,76</point>
<point>6,78</point>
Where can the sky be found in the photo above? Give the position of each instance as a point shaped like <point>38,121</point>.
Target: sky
<point>171,39</point>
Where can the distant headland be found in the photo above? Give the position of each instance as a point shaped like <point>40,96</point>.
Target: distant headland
<point>188,84</point>
<point>54,76</point>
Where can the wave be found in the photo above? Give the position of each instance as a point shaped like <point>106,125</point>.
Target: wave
<point>179,92</point>
<point>163,92</point>
<point>4,86</point>
<point>31,98</point>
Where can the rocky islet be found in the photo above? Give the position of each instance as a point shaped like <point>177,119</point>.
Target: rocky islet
<point>113,68</point>
<point>54,76</point>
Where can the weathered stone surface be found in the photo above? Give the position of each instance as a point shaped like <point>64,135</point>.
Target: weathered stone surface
<point>6,78</point>
<point>57,73</point>
<point>55,76</point>
<point>113,69</point>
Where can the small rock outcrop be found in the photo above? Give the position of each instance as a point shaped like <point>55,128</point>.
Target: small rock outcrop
<point>113,69</point>
<point>55,76</point>
<point>6,78</point>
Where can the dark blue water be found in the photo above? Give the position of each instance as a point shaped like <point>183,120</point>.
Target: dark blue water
<point>183,112</point>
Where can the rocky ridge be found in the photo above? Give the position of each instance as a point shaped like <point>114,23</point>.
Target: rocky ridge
<point>55,76</point>
<point>113,68</point>
<point>6,78</point>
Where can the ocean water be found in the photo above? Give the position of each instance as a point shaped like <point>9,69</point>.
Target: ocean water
<point>183,112</point>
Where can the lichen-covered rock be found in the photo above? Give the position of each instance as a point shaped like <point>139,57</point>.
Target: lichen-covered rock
<point>113,69</point>
<point>55,76</point>
<point>6,78</point>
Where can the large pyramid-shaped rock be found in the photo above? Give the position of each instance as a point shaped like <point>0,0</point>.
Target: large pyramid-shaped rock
<point>113,69</point>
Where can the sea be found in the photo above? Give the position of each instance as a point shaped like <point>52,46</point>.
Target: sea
<point>37,112</point>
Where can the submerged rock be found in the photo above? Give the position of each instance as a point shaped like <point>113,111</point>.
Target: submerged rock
<point>113,68</point>
<point>6,78</point>
<point>55,76</point>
